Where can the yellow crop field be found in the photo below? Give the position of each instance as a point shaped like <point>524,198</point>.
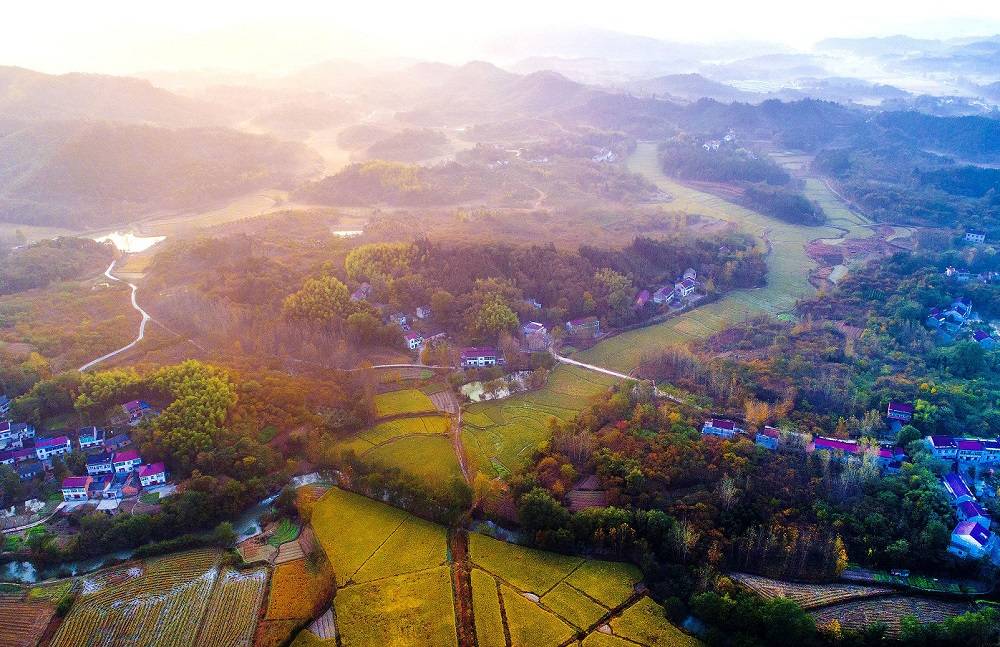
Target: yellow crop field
<point>402,402</point>
<point>644,623</point>
<point>229,620</point>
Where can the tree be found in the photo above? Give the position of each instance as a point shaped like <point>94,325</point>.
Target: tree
<point>907,434</point>
<point>616,292</point>
<point>494,317</point>
<point>968,359</point>
<point>321,300</point>
<point>538,511</point>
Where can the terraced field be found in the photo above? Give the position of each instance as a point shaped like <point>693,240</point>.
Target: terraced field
<point>391,569</point>
<point>538,598</point>
<point>857,614</point>
<point>402,402</point>
<point>176,600</point>
<point>23,623</point>
<point>808,596</point>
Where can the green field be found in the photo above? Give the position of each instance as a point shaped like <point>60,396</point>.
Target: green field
<point>406,401</point>
<point>429,458</point>
<point>506,444</point>
<point>392,429</point>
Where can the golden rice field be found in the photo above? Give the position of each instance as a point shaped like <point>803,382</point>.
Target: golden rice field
<point>405,401</point>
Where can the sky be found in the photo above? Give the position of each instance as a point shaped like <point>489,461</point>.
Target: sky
<point>117,36</point>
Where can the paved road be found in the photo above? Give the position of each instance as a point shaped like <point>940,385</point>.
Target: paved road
<point>605,371</point>
<point>142,324</point>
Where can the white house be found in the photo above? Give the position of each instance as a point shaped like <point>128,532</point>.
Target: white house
<point>480,356</point>
<point>972,511</point>
<point>414,340</point>
<point>685,287</point>
<point>957,488</point>
<point>90,437</point>
<point>98,464</point>
<point>975,236</point>
<point>942,446</point>
<point>971,540</point>
<point>127,461</point>
<point>690,273</point>
<point>663,295</point>
<point>48,447</point>
<point>970,450</point>
<point>153,474</point>
<point>74,488</point>
<point>720,427</point>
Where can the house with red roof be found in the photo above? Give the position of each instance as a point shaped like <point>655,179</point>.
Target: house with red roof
<point>16,456</point>
<point>154,474</point>
<point>74,488</point>
<point>899,411</point>
<point>48,447</point>
<point>127,460</point>
<point>414,340</point>
<point>720,427</point>
<point>821,443</point>
<point>136,411</point>
<point>641,299</point>
<point>664,294</point>
<point>768,438</point>
<point>685,287</point>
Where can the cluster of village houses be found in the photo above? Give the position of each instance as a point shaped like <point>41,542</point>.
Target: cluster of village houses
<point>971,538</point>
<point>115,470</point>
<point>958,321</point>
<point>536,335</point>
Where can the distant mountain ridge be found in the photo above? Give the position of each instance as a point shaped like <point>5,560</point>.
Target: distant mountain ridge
<point>33,96</point>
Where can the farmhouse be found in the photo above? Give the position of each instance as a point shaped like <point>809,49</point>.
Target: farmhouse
<point>480,356</point>
<point>29,470</point>
<point>587,327</point>
<point>663,295</point>
<point>956,487</point>
<point>984,339</point>
<point>362,293</point>
<point>685,288</point>
<point>136,411</point>
<point>720,427</point>
<point>972,511</point>
<point>13,434</point>
<point>533,327</point>
<point>116,443</point>
<point>98,464</point>
<point>641,299</point>
<point>970,450</point>
<point>74,488</point>
<point>823,443</point>
<point>768,438</point>
<point>414,340</point>
<point>48,447</point>
<point>126,461</point>
<point>90,437</point>
<point>536,335</point>
<point>975,236</point>
<point>901,411</point>
<point>970,540</point>
<point>942,446</point>
<point>154,474</point>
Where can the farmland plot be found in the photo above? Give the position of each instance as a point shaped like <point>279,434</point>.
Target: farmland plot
<point>857,614</point>
<point>429,458</point>
<point>232,614</point>
<point>808,596</point>
<point>403,402</point>
<point>23,623</point>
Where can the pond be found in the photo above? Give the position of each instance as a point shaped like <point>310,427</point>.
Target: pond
<point>129,243</point>
<point>516,382</point>
<point>347,233</point>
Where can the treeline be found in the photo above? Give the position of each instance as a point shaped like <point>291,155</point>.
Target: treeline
<point>783,204</point>
<point>688,159</point>
<point>61,259</point>
<point>398,184</point>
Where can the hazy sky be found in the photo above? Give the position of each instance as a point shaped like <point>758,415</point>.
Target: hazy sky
<point>120,36</point>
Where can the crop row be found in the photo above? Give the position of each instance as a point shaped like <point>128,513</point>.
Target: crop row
<point>232,614</point>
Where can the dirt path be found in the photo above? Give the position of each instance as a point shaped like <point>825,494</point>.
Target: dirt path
<point>448,403</point>
<point>461,581</point>
<point>142,323</point>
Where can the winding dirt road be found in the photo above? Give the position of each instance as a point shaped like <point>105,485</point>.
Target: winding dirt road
<point>142,324</point>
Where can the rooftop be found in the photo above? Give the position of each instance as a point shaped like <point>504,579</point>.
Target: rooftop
<point>128,455</point>
<point>942,441</point>
<point>479,351</point>
<point>956,484</point>
<point>150,470</point>
<point>75,482</point>
<point>721,423</point>
<point>903,407</point>
<point>99,459</point>
<point>973,531</point>
<point>51,442</point>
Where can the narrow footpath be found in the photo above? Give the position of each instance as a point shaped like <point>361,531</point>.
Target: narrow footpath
<point>142,323</point>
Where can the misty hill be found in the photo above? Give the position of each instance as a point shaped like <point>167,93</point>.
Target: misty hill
<point>691,87</point>
<point>971,137</point>
<point>34,96</point>
<point>885,46</point>
<point>90,174</point>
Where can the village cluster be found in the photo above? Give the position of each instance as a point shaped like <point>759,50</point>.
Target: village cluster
<point>536,336</point>
<point>115,469</point>
<point>971,538</point>
<point>960,321</point>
